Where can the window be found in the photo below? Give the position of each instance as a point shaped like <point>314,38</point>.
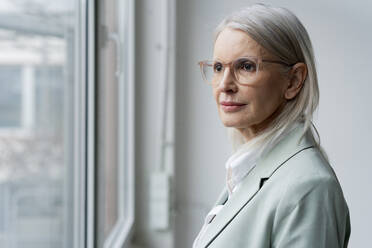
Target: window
<point>66,161</point>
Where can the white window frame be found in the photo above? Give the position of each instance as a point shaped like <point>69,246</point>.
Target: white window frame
<point>91,84</point>
<point>121,233</point>
<point>81,126</point>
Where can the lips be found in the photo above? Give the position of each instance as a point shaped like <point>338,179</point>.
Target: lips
<point>224,103</point>
<point>232,106</point>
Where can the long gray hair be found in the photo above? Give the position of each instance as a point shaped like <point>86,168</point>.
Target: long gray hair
<point>282,34</point>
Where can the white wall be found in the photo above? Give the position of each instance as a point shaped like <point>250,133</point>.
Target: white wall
<point>342,40</point>
<point>150,62</point>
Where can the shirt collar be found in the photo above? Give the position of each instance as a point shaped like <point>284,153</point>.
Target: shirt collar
<point>241,162</point>
<point>238,166</point>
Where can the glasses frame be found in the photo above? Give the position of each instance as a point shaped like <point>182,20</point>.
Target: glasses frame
<point>231,65</point>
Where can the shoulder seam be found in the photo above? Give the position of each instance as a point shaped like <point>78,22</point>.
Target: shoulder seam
<point>293,155</point>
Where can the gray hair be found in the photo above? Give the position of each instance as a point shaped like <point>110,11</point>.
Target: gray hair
<point>282,34</point>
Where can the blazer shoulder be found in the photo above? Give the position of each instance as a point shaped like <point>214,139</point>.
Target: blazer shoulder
<point>309,175</point>
<point>309,164</point>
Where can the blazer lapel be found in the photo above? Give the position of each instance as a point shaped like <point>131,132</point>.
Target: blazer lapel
<point>251,184</point>
<point>222,198</point>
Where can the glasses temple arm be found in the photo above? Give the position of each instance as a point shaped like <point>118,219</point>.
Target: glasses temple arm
<point>277,62</point>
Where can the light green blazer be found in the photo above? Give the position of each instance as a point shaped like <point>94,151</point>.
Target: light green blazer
<point>291,199</point>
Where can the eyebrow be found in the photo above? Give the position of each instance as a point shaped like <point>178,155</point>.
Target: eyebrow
<point>240,57</point>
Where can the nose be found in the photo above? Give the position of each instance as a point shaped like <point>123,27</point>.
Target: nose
<point>227,83</point>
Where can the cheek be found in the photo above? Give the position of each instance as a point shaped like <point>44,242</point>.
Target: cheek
<point>265,101</point>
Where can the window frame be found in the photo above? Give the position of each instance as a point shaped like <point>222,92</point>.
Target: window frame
<point>82,126</point>
<point>90,50</point>
<point>123,229</point>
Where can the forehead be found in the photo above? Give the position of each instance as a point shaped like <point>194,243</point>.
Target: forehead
<point>232,43</point>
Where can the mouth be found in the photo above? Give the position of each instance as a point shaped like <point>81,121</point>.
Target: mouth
<point>232,106</point>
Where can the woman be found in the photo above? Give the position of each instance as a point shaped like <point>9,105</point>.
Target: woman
<point>280,189</point>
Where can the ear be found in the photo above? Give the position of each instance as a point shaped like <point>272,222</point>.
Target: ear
<point>297,77</point>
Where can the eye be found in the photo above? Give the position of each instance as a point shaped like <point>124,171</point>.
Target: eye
<point>246,66</point>
<point>217,67</point>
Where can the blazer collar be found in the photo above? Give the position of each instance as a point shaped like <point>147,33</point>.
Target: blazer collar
<point>251,184</point>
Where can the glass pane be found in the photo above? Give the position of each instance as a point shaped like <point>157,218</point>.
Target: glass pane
<point>10,96</point>
<point>37,40</point>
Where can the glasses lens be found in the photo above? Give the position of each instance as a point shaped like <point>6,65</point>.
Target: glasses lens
<point>245,70</point>
<point>208,72</point>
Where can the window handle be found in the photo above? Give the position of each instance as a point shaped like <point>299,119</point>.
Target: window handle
<point>116,39</point>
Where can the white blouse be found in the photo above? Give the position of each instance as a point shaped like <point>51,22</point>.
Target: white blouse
<point>237,167</point>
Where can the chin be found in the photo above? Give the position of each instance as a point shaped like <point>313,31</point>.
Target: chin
<point>235,119</point>
<point>229,122</point>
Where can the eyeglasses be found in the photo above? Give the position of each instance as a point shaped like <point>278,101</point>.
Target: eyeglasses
<point>244,69</point>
